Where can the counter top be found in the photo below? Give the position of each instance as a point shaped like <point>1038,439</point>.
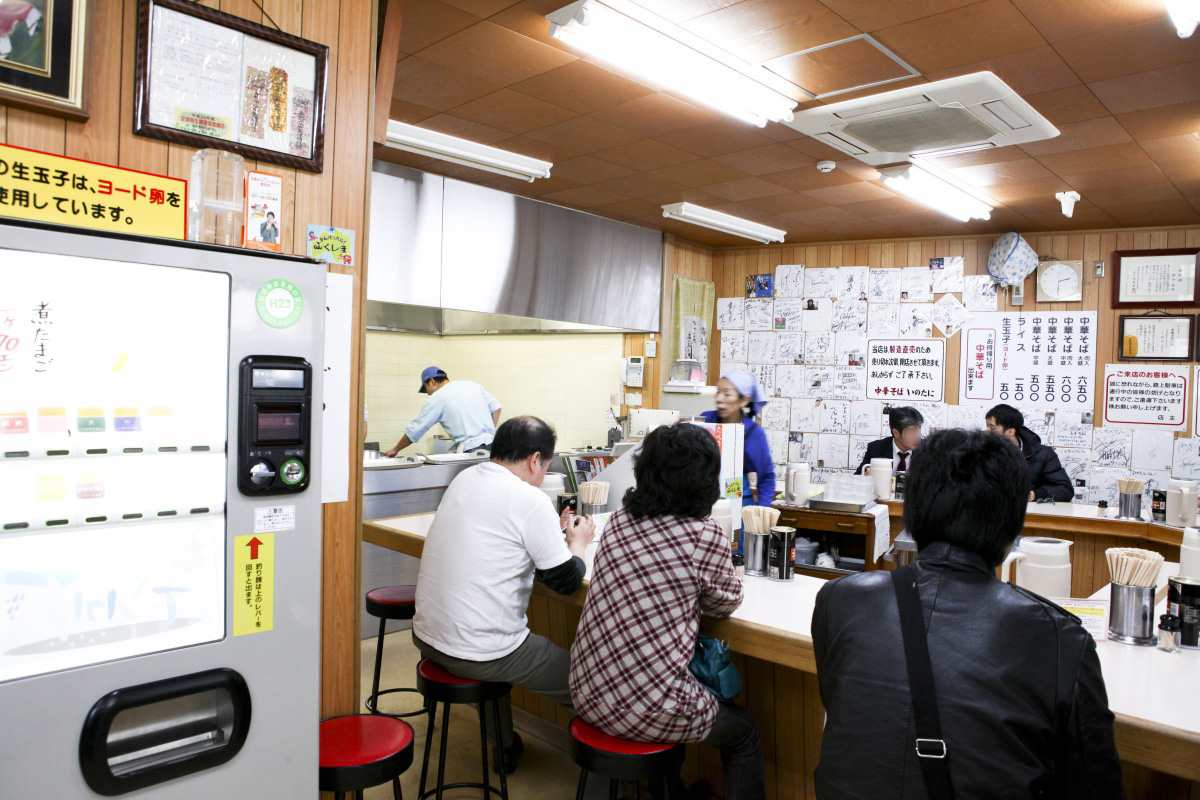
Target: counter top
<point>1152,693</point>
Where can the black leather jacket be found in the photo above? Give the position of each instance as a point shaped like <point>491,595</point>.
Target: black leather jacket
<point>1022,703</point>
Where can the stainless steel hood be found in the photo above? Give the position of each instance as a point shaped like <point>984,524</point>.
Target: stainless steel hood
<point>489,261</point>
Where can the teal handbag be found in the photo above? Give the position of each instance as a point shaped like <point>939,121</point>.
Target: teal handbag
<point>712,667</point>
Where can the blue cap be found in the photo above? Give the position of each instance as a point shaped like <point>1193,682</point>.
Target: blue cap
<point>430,372</point>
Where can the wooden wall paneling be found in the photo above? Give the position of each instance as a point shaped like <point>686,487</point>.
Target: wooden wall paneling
<point>759,679</point>
<point>814,727</point>
<point>387,56</point>
<point>36,131</point>
<point>790,765</point>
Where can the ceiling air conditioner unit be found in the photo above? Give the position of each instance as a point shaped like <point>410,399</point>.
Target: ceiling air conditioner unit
<point>957,115</point>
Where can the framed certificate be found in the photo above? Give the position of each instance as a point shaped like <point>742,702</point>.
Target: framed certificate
<point>1156,278</point>
<point>1156,338</point>
<point>209,79</point>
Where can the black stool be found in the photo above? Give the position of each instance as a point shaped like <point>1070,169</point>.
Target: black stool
<point>359,751</point>
<point>595,751</point>
<point>438,685</point>
<point>389,602</point>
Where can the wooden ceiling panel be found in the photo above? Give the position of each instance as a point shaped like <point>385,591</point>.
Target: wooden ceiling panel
<point>837,68</point>
<point>582,87</point>
<point>645,154</point>
<point>1097,158</point>
<point>1014,171</point>
<point>642,185</point>
<point>464,128</point>
<point>1027,71</point>
<point>805,178</point>
<point>759,30</point>
<point>857,192</point>
<point>482,8</point>
<point>1168,212</point>
<point>1067,105</point>
<point>494,53</point>
<point>537,149</point>
<point>1098,132</point>
<point>583,135</point>
<point>1151,89</point>
<point>1123,51</point>
<point>430,85</point>
<point>769,158</point>
<point>872,15</point>
<point>717,138</point>
<point>1131,195</point>
<point>678,11</point>
<point>513,112</point>
<point>782,203</point>
<point>655,114</point>
<point>746,189</point>
<point>586,169</point>
<point>407,112</point>
<point>960,36</point>
<point>1069,19</point>
<point>430,21</point>
<point>1115,178</point>
<point>698,173</point>
<point>1155,123</point>
<point>583,196</point>
<point>1173,151</point>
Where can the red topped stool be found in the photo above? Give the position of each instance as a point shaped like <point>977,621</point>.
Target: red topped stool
<point>389,602</point>
<point>359,751</point>
<point>596,751</point>
<point>438,685</point>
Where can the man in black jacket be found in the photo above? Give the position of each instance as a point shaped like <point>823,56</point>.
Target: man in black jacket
<point>1047,477</point>
<point>1019,692</point>
<point>905,424</point>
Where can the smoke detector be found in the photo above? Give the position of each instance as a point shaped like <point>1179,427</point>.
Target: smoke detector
<point>956,115</point>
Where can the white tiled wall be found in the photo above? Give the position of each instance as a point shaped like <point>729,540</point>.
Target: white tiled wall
<point>566,379</point>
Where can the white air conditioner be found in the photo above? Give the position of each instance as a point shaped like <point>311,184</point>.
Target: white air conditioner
<point>970,112</point>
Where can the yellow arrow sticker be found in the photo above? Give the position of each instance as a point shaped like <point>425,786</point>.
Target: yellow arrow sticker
<point>253,583</point>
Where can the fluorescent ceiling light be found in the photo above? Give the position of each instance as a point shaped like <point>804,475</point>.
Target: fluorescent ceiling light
<point>442,146</point>
<point>634,40</point>
<point>1185,15</point>
<point>726,223</point>
<point>930,186</point>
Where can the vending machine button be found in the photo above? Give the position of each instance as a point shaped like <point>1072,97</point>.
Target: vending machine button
<point>293,472</point>
<point>261,473</point>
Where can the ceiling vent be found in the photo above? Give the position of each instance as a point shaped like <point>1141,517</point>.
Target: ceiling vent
<point>970,112</point>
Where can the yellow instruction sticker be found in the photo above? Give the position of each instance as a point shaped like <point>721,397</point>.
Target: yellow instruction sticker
<point>253,583</point>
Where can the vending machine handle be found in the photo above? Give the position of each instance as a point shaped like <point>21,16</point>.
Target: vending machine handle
<point>169,738</point>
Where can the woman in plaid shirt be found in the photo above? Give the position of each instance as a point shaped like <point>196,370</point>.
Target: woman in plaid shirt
<point>662,563</point>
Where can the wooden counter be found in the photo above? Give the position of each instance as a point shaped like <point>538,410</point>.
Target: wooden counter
<point>772,647</point>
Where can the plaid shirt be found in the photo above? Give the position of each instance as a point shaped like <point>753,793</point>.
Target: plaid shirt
<point>629,664</point>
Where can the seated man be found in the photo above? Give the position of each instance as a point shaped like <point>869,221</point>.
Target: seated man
<point>1015,680</point>
<point>905,423</point>
<point>1047,478</point>
<point>494,532</point>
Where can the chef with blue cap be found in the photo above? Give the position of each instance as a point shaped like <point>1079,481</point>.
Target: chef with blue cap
<point>468,414</point>
<point>741,399</point>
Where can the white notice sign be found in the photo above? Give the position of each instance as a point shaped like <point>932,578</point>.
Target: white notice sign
<point>906,369</point>
<point>1151,396</point>
<point>1042,360</point>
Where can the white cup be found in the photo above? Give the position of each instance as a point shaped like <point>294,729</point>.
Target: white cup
<point>880,470</point>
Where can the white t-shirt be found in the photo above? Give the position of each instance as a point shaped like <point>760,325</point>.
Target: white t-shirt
<point>492,530</point>
<point>465,410</point>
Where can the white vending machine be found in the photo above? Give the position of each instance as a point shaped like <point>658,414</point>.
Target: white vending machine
<point>160,518</point>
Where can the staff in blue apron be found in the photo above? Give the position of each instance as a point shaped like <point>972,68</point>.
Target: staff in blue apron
<point>741,399</point>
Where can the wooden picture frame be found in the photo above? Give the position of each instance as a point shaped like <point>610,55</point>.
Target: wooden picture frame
<point>1138,339</point>
<point>47,47</point>
<point>1156,264</point>
<point>263,97</point>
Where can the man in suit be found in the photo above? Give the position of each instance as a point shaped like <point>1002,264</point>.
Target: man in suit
<point>905,423</point>
<point>1047,477</point>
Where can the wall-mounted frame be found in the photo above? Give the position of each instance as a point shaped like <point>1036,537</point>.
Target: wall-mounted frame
<point>1156,337</point>
<point>209,79</point>
<point>44,45</point>
<point>1156,278</point>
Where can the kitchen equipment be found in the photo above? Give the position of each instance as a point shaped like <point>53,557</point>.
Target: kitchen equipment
<point>1183,600</point>
<point>798,476</point>
<point>686,369</point>
<point>806,551</point>
<point>554,484</point>
<point>1189,553</point>
<point>779,557</point>
<point>880,472</point>
<point>1042,565</point>
<point>722,514</point>
<point>1181,503</point>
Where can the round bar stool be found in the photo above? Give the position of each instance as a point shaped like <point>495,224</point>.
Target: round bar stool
<point>389,602</point>
<point>438,685</point>
<point>619,759</point>
<point>359,751</point>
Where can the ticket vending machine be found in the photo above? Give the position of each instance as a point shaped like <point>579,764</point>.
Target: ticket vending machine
<point>160,518</point>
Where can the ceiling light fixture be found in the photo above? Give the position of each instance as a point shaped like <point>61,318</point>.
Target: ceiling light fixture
<point>726,223</point>
<point>1068,200</point>
<point>1185,15</point>
<point>634,40</point>
<point>930,186</point>
<point>425,142</point>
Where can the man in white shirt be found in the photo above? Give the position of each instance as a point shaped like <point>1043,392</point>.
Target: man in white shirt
<point>494,532</point>
<point>467,413</point>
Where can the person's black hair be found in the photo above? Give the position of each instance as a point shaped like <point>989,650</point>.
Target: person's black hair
<point>677,473</point>
<point>520,437</point>
<point>270,213</point>
<point>901,417</point>
<point>967,488</point>
<point>1006,416</point>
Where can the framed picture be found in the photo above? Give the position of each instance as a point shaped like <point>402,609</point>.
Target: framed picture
<point>1156,338</point>
<point>1156,278</point>
<point>209,79</point>
<point>43,49</point>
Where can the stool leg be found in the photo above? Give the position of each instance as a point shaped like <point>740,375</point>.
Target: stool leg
<point>397,792</point>
<point>500,744</point>
<point>613,786</point>
<point>582,784</point>
<point>373,700</point>
<point>487,781</point>
<point>428,745</point>
<point>442,753</point>
<point>358,795</point>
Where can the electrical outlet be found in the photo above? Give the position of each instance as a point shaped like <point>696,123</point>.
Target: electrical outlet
<point>1017,294</point>
<point>1097,269</point>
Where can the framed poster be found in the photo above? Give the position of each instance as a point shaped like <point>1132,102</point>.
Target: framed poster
<point>1152,397</point>
<point>1156,338</point>
<point>43,47</point>
<point>1156,278</point>
<point>209,79</point>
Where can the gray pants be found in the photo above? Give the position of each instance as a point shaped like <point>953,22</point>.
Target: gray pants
<point>538,665</point>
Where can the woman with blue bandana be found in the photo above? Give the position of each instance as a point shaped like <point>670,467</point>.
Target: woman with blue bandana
<point>741,399</point>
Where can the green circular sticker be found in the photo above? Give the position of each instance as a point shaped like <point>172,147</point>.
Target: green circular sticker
<point>279,303</point>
